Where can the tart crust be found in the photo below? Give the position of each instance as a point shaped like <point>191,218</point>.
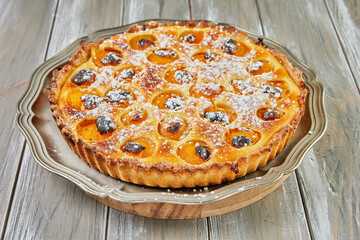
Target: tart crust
<point>165,174</point>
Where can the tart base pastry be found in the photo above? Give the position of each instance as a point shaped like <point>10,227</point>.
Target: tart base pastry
<point>178,104</point>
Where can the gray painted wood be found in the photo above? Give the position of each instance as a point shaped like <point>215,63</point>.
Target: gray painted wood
<point>280,215</point>
<point>243,14</point>
<point>353,8</point>
<point>126,226</point>
<point>273,216</point>
<point>329,175</point>
<point>24,33</point>
<point>348,32</point>
<point>46,206</point>
<point>82,21</point>
<point>137,10</point>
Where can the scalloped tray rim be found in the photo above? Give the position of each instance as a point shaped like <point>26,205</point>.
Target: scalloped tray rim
<point>38,148</point>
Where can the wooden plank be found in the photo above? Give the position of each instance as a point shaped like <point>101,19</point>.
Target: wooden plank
<point>329,175</point>
<point>46,206</point>
<point>87,17</point>
<point>137,10</point>
<point>279,215</point>
<point>348,31</point>
<point>351,7</point>
<point>24,34</point>
<point>243,14</point>
<point>126,226</point>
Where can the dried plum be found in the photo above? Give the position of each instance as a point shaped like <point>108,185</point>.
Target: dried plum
<point>255,66</point>
<point>229,46</point>
<point>165,53</point>
<point>271,115</point>
<point>145,43</point>
<point>241,141</point>
<point>203,152</point>
<point>91,101</point>
<point>105,124</point>
<point>127,73</point>
<point>182,77</point>
<point>118,95</point>
<point>174,128</point>
<point>275,91</point>
<point>190,38</point>
<point>133,147</point>
<point>209,55</point>
<point>111,58</point>
<point>217,117</point>
<point>82,76</point>
<point>137,116</point>
<point>174,103</point>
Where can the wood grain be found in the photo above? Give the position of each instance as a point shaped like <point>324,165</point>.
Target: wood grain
<point>242,14</point>
<point>353,8</point>
<point>329,175</point>
<point>348,32</point>
<point>24,33</point>
<point>36,204</point>
<point>129,226</point>
<point>137,10</point>
<point>46,206</point>
<point>84,20</point>
<point>269,218</point>
<point>276,216</point>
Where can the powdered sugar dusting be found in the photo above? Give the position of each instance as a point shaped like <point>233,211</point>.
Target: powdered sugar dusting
<point>223,68</point>
<point>167,40</point>
<point>217,76</point>
<point>208,88</point>
<point>212,132</point>
<point>104,77</point>
<point>150,81</point>
<point>246,86</point>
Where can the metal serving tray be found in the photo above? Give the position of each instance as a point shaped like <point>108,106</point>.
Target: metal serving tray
<point>51,151</point>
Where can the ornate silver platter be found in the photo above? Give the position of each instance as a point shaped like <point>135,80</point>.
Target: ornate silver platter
<point>51,151</point>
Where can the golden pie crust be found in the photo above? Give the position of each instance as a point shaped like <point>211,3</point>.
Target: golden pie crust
<point>179,104</point>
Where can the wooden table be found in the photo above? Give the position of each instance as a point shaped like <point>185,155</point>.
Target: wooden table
<point>321,200</point>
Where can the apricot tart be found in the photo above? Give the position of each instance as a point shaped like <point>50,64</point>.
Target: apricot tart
<point>177,104</point>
